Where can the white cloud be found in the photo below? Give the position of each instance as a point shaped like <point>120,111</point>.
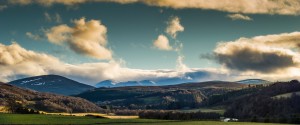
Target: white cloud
<point>33,36</point>
<point>174,27</point>
<point>21,2</point>
<point>239,17</point>
<point>88,38</point>
<point>59,34</point>
<point>16,61</point>
<point>47,17</point>
<point>281,7</point>
<point>55,18</point>
<point>268,54</point>
<point>2,7</point>
<point>47,2</point>
<point>162,43</point>
<point>180,66</point>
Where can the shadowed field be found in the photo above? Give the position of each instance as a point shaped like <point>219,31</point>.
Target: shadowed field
<point>60,119</point>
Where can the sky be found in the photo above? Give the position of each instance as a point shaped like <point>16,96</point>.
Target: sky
<point>123,40</point>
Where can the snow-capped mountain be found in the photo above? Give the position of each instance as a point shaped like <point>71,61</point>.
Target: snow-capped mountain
<point>185,78</point>
<point>53,84</point>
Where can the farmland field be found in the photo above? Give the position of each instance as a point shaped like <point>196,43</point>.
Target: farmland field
<point>59,119</point>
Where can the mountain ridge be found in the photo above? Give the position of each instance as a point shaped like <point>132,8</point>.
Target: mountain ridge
<point>53,84</point>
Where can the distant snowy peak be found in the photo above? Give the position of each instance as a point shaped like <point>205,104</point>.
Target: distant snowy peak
<point>185,78</point>
<point>109,83</point>
<point>53,84</point>
<point>253,81</point>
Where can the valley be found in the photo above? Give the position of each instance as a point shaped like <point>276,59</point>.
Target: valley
<point>210,100</point>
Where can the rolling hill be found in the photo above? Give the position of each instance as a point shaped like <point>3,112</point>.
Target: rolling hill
<point>53,84</point>
<point>277,102</point>
<point>188,95</point>
<point>44,101</point>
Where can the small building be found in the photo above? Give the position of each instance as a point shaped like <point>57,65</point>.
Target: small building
<point>223,119</point>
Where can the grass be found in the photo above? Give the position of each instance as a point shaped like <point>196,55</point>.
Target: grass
<point>215,110</point>
<point>59,119</point>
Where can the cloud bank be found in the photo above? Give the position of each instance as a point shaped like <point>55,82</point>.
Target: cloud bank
<point>85,37</point>
<point>17,62</point>
<point>280,7</point>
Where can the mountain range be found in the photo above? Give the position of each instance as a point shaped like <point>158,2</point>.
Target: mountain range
<point>167,81</point>
<point>184,78</point>
<point>64,86</point>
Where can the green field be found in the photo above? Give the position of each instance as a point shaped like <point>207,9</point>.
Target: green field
<point>57,119</point>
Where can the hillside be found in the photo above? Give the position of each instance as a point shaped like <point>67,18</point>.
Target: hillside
<point>44,101</point>
<point>188,95</point>
<point>278,102</point>
<point>53,84</point>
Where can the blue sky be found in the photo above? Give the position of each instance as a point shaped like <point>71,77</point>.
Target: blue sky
<point>132,27</point>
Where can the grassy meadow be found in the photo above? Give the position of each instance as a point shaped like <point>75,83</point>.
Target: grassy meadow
<point>61,119</point>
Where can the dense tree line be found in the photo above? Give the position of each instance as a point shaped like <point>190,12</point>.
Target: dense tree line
<point>13,106</point>
<point>229,97</point>
<point>173,115</point>
<point>265,106</point>
<point>182,96</point>
<point>179,99</point>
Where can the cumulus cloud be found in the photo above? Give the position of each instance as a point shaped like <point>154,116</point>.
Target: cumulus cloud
<point>180,66</point>
<point>85,37</point>
<point>53,18</point>
<point>281,7</point>
<point>265,54</point>
<point>16,60</point>
<point>162,43</point>
<point>239,17</point>
<point>174,27</point>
